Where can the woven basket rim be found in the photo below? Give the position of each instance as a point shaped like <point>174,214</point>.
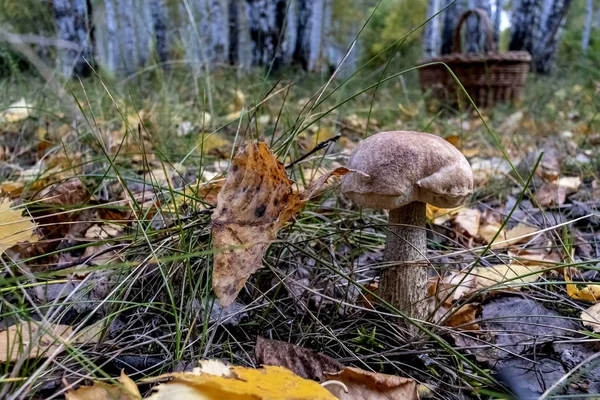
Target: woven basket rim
<point>516,56</point>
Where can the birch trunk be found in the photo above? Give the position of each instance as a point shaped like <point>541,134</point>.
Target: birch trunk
<point>546,48</point>
<point>431,33</point>
<point>73,25</point>
<point>587,28</point>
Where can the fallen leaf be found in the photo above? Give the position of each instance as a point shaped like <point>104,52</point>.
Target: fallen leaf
<point>215,381</point>
<point>461,318</point>
<point>555,193</point>
<point>39,340</point>
<point>16,111</point>
<point>213,143</point>
<point>301,361</point>
<point>521,233</point>
<point>467,220</point>
<point>591,317</point>
<point>125,390</point>
<point>255,202</point>
<point>581,290</point>
<point>371,386</point>
<point>440,215</point>
<point>14,228</point>
<point>488,231</point>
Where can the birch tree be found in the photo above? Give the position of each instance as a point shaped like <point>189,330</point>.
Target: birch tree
<point>476,33</point>
<point>451,15</point>
<point>431,33</point>
<point>525,25</point>
<point>546,46</point>
<point>73,25</point>
<point>587,27</point>
<point>308,47</point>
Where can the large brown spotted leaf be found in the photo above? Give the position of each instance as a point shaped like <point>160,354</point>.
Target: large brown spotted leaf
<point>255,202</point>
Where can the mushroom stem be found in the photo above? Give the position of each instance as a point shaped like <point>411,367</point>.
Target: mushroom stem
<point>404,285</point>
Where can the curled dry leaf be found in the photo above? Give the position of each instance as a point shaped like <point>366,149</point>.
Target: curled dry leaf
<point>40,340</point>
<point>303,362</point>
<point>467,220</point>
<point>255,202</point>
<point>591,317</point>
<point>14,227</point>
<point>217,381</point>
<point>364,385</point>
<point>126,389</point>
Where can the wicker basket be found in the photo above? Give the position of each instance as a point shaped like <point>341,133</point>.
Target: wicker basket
<point>488,78</point>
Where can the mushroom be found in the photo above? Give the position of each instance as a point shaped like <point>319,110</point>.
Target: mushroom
<point>401,171</point>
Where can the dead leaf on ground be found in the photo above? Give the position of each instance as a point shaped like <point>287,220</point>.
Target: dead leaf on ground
<point>215,380</point>
<point>501,277</point>
<point>14,228</point>
<point>581,290</point>
<point>555,193</point>
<point>126,389</point>
<point>17,111</point>
<point>301,361</point>
<point>520,233</point>
<point>462,317</point>
<point>255,202</point>
<point>364,385</point>
<point>40,340</point>
<point>467,220</point>
<point>440,215</point>
<point>215,144</point>
<point>591,318</point>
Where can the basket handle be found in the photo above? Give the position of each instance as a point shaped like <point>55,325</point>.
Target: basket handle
<point>483,19</point>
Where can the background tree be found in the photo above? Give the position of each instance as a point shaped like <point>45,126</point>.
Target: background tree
<point>431,32</point>
<point>587,28</point>
<point>73,22</point>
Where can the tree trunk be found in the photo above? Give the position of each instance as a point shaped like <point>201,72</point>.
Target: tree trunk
<point>266,19</point>
<point>404,285</point>
<point>290,39</point>
<point>431,33</point>
<point>525,25</point>
<point>475,38</point>
<point>159,20</point>
<point>546,49</point>
<point>127,36</point>
<point>219,33</point>
<point>308,47</point>
<point>451,16</point>
<point>73,25</point>
<point>587,28</point>
<point>111,40</point>
<point>498,20</point>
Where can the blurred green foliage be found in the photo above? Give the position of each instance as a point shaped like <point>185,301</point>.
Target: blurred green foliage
<point>570,47</point>
<point>392,21</point>
<point>22,16</point>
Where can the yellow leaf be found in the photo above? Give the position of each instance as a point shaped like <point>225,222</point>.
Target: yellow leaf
<point>14,228</point>
<point>255,202</point>
<point>212,143</point>
<point>589,293</point>
<point>591,317</point>
<point>487,233</point>
<point>125,390</point>
<point>215,382</point>
<point>519,234</point>
<point>506,276</point>
<point>371,386</point>
<point>440,215</point>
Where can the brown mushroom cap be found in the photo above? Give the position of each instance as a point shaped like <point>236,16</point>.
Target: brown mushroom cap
<point>403,167</point>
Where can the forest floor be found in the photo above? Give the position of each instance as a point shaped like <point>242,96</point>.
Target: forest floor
<point>105,235</point>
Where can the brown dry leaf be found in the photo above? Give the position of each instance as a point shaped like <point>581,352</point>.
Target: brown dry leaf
<point>14,228</point>
<point>41,339</point>
<point>215,381</point>
<point>303,362</point>
<point>467,220</point>
<point>591,317</point>
<point>521,233</point>
<point>555,193</point>
<point>364,385</point>
<point>462,318</point>
<point>255,202</point>
<point>125,390</point>
<point>488,231</point>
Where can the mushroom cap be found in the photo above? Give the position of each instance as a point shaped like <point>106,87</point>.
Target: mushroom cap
<point>403,167</point>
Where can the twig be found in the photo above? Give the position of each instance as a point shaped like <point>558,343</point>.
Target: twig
<point>318,147</point>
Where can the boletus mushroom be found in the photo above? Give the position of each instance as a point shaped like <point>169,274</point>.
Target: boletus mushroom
<point>401,171</point>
